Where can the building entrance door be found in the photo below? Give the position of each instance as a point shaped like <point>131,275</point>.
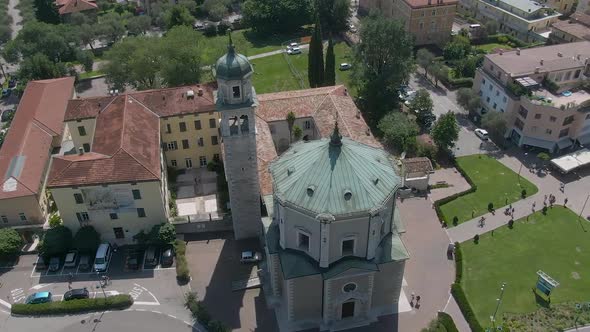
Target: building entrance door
<point>189,163</point>
<point>347,309</point>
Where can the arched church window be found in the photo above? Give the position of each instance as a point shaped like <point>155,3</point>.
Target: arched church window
<point>350,287</point>
<point>236,91</point>
<point>233,126</point>
<point>244,124</point>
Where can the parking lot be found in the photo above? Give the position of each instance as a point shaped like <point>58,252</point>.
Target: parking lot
<point>150,285</point>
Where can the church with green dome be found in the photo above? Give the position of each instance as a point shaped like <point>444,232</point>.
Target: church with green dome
<point>324,206</point>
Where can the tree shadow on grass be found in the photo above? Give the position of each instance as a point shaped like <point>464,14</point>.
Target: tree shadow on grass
<point>260,39</point>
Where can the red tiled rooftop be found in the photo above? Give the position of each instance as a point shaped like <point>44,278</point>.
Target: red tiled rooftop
<point>126,148</point>
<point>37,121</point>
<point>163,102</point>
<point>324,105</point>
<point>75,6</point>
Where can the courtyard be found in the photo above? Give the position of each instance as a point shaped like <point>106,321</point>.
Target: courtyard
<point>556,243</point>
<point>495,183</point>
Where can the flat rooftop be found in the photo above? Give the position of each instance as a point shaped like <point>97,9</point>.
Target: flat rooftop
<point>527,6</point>
<point>544,97</point>
<point>546,58</point>
<point>575,29</point>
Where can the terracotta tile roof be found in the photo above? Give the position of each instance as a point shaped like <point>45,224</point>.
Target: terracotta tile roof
<point>575,29</point>
<point>581,18</point>
<point>163,102</point>
<point>75,6</point>
<point>429,3</point>
<point>324,105</point>
<point>28,144</point>
<point>126,148</point>
<point>415,165</point>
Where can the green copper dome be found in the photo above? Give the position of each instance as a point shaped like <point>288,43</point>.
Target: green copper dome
<point>232,66</point>
<point>336,175</point>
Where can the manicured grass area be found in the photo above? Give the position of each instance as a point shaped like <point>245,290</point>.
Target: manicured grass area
<point>89,74</point>
<point>272,74</point>
<point>495,182</point>
<point>555,243</point>
<point>490,47</point>
<point>246,42</point>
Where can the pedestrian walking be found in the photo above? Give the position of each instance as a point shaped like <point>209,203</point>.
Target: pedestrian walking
<point>418,300</point>
<point>534,204</point>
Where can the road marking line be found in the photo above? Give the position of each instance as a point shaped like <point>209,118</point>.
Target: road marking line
<point>6,304</point>
<point>39,286</point>
<point>169,315</point>
<point>156,312</point>
<point>146,303</point>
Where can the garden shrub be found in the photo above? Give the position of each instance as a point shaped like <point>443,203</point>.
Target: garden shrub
<point>476,238</point>
<point>201,315</point>
<point>447,321</point>
<point>442,201</point>
<point>182,270</point>
<point>10,243</point>
<point>121,301</point>
<point>455,220</point>
<point>523,193</point>
<point>511,223</point>
<point>465,307</point>
<point>490,206</point>
<point>458,263</point>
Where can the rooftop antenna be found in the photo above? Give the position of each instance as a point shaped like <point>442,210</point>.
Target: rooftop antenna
<point>230,46</point>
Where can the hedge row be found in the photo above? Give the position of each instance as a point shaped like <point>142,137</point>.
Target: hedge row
<point>458,263</point>
<point>447,321</point>
<point>182,271</point>
<point>447,199</point>
<point>465,307</point>
<point>121,301</point>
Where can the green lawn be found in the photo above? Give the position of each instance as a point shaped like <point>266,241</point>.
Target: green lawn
<point>556,243</point>
<point>495,182</point>
<point>272,74</point>
<point>89,74</point>
<point>489,47</point>
<point>246,42</point>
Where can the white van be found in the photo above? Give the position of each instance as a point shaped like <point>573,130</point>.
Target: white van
<point>103,257</point>
<point>474,27</point>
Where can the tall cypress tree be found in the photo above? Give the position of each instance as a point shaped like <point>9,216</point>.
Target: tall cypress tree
<point>330,73</point>
<point>315,68</point>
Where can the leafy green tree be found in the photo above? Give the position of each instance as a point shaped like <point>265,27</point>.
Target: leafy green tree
<point>469,100</point>
<point>56,241</point>
<point>496,125</point>
<point>86,240</point>
<point>466,66</point>
<point>297,133</point>
<point>290,122</point>
<point>39,67</point>
<point>216,9</point>
<point>457,49</point>
<point>439,72</point>
<point>181,60</point>
<point>445,131</point>
<point>334,14</point>
<point>78,19</point>
<point>87,34</point>
<point>138,25</point>
<point>50,40</point>
<point>382,62</point>
<point>86,58</point>
<point>422,106</point>
<point>55,220</point>
<point>112,26</point>
<point>398,131</point>
<point>315,68</point>
<point>158,235</point>
<point>271,16</point>
<point>10,242</point>
<point>178,15</point>
<point>135,61</point>
<point>330,70</point>
<point>46,11</point>
<point>425,59</point>
<point>166,233</point>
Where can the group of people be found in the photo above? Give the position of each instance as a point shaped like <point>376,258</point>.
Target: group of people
<point>417,298</point>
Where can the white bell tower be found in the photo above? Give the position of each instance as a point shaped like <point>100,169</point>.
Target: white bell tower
<point>236,101</point>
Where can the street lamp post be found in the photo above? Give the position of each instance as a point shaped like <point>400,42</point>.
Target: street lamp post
<point>499,301</point>
<point>583,207</point>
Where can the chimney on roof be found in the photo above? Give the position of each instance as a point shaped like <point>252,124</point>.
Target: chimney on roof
<point>541,62</point>
<point>578,57</point>
<point>501,51</point>
<point>190,94</point>
<point>80,151</point>
<point>358,114</point>
<point>537,69</point>
<point>163,97</point>
<point>517,51</point>
<point>200,92</point>
<point>98,104</point>
<point>559,54</point>
<point>345,91</point>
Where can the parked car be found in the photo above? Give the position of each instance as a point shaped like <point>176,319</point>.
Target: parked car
<point>103,257</point>
<point>54,264</point>
<point>41,263</point>
<point>450,250</point>
<point>345,66</point>
<point>76,294</point>
<point>84,263</point>
<point>167,257</point>
<point>251,257</point>
<point>482,133</point>
<point>39,297</point>
<point>293,45</point>
<point>151,256</point>
<point>7,114</point>
<point>71,259</point>
<point>294,50</point>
